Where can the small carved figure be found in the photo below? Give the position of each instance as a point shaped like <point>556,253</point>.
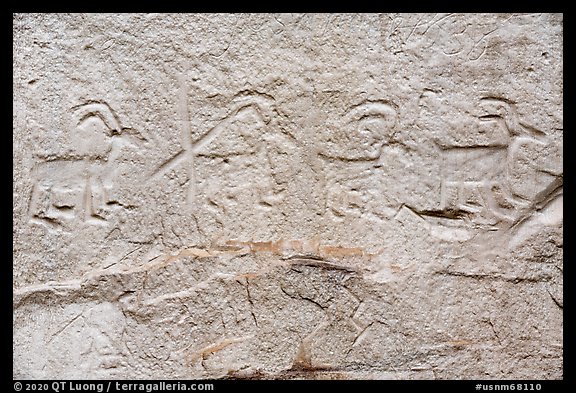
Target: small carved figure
<point>477,180</point>
<point>76,184</point>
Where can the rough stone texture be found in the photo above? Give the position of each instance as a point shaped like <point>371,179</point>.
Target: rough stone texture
<point>288,196</point>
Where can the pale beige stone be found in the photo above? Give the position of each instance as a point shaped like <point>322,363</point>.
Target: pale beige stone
<point>301,196</point>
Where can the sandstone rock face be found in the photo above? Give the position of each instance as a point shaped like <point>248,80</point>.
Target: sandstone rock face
<point>288,196</point>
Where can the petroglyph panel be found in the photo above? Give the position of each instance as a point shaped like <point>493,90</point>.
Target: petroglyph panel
<point>288,196</point>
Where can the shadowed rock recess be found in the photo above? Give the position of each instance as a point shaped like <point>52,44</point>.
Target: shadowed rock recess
<point>288,196</point>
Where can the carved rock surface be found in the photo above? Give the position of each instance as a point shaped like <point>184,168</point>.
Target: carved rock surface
<point>288,196</point>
